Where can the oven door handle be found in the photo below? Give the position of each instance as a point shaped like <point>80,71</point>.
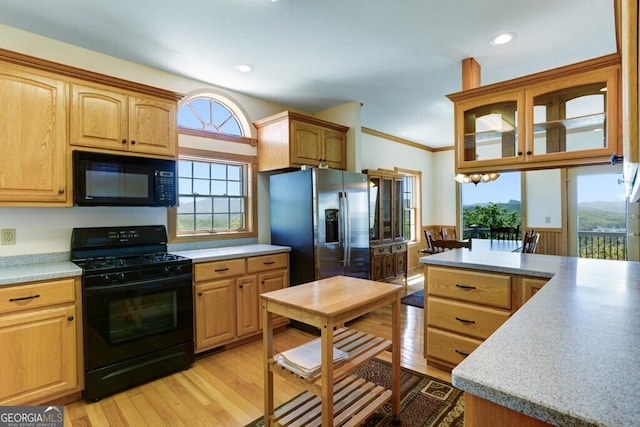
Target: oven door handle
<point>143,286</point>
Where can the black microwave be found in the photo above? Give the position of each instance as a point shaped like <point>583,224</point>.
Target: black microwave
<point>101,179</point>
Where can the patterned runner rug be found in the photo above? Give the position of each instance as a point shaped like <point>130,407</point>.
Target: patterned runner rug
<point>415,299</point>
<point>425,401</point>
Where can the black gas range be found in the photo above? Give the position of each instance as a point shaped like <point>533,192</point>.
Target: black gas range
<point>137,306</point>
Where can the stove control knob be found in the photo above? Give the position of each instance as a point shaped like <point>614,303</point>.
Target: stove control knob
<point>166,269</point>
<point>106,277</point>
<point>121,276</point>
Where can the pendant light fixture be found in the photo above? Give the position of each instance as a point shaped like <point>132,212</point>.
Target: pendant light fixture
<point>475,178</point>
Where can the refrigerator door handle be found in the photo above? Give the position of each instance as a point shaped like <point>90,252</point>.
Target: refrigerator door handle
<point>347,229</point>
<point>342,232</point>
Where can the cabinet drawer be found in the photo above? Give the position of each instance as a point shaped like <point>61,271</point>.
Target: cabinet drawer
<point>473,286</point>
<point>24,297</point>
<point>219,269</point>
<point>381,250</point>
<point>399,247</point>
<point>479,322</point>
<point>267,262</point>
<point>449,347</point>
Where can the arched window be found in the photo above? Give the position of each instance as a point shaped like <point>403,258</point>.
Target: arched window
<point>216,183</point>
<point>210,115</point>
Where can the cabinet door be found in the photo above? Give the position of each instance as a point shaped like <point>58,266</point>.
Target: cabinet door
<point>152,126</point>
<point>334,149</point>
<point>390,266</point>
<point>40,355</point>
<point>98,118</point>
<point>306,144</point>
<point>530,287</point>
<point>573,117</point>
<point>247,305</point>
<point>387,208</point>
<point>273,281</point>
<point>401,263</point>
<point>377,267</point>
<point>375,209</point>
<point>33,132</point>
<point>488,130</point>
<point>215,306</point>
<point>398,211</point>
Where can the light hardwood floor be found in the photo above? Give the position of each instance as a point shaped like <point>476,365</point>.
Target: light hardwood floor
<point>226,388</point>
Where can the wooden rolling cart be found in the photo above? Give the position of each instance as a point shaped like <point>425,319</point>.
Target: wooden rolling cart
<point>333,397</point>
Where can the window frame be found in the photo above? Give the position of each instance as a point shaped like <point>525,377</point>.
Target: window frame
<point>417,197</point>
<point>251,208</point>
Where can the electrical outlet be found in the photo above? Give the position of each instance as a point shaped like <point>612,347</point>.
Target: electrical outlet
<point>8,236</point>
<point>547,220</point>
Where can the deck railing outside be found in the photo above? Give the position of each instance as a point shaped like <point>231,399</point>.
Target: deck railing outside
<point>602,245</point>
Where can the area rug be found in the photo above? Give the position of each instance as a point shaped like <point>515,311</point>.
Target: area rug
<point>415,299</point>
<point>425,401</point>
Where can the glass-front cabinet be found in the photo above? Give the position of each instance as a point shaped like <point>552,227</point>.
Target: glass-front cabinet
<point>388,249</point>
<point>563,116</point>
<point>385,208</point>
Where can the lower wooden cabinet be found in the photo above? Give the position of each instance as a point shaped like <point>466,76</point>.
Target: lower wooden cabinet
<point>464,307</point>
<point>388,261</point>
<point>215,319</point>
<point>227,297</point>
<point>40,334</point>
<point>530,286</point>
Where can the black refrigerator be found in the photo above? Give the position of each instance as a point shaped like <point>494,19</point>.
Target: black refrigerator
<point>323,215</point>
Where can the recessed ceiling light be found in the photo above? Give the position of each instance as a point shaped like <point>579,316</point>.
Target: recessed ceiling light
<point>244,68</point>
<point>502,38</point>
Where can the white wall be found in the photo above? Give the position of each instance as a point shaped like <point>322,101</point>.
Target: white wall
<point>443,204</point>
<point>544,198</point>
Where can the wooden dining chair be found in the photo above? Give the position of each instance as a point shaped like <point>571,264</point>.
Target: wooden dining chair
<point>428,237</point>
<point>505,233</point>
<point>446,235</point>
<point>530,242</point>
<point>444,245</point>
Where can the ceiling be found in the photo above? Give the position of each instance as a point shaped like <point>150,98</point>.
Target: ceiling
<point>399,58</point>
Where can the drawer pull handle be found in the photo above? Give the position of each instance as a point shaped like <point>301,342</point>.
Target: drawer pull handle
<point>465,320</point>
<point>461,286</point>
<point>221,270</point>
<point>269,262</point>
<point>24,298</point>
<point>462,352</point>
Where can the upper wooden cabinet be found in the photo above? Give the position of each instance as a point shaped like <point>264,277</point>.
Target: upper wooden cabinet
<point>33,134</point>
<point>105,118</point>
<point>565,116</point>
<point>290,140</point>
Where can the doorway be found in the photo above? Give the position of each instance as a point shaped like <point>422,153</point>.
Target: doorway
<point>597,213</point>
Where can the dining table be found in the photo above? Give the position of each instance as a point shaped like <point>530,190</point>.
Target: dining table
<point>496,245</point>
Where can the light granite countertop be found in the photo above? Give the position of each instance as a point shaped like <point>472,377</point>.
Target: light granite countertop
<point>571,355</point>
<point>13,274</point>
<point>230,252</point>
<point>30,268</point>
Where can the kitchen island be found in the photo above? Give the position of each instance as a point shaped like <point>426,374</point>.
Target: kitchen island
<point>569,356</point>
